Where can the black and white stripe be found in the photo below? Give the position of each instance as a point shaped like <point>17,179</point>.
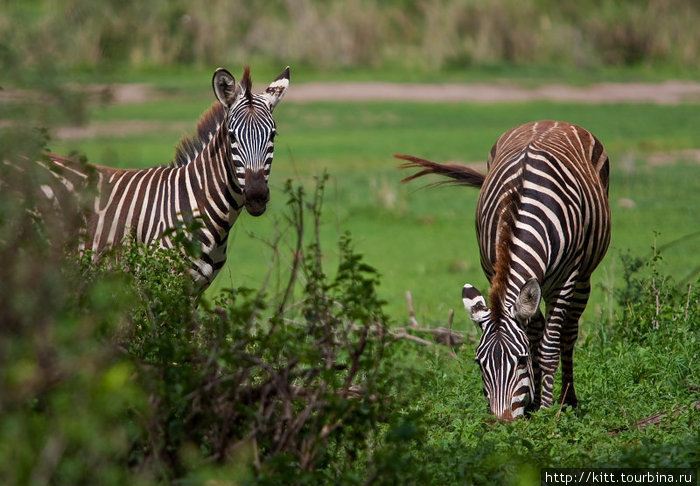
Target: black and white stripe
<point>253,140</point>
<point>214,175</point>
<point>543,225</point>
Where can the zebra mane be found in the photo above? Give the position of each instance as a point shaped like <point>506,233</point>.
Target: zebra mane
<point>509,208</point>
<point>247,84</point>
<point>191,146</point>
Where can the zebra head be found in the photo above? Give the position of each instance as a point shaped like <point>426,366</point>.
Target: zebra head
<point>251,132</point>
<point>503,352</point>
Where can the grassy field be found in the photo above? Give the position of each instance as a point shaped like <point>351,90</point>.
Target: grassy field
<point>424,240</point>
<point>113,379</point>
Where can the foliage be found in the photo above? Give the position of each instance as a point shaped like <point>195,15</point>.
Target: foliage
<point>264,387</point>
<point>67,397</point>
<point>444,34</point>
<point>652,303</point>
<point>250,372</point>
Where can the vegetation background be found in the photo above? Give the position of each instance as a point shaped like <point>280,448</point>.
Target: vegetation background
<point>396,34</point>
<point>104,384</point>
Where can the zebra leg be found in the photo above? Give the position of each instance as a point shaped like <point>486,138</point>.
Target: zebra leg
<point>550,346</point>
<point>568,341</point>
<point>549,356</point>
<point>535,331</point>
<point>568,392</point>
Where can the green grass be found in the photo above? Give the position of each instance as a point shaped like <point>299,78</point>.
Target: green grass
<point>424,240</point>
<point>187,79</point>
<point>616,387</point>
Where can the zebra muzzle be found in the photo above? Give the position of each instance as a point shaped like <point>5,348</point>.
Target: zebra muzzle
<point>256,193</point>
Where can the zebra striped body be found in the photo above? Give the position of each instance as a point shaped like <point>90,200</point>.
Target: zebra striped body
<point>214,176</point>
<point>543,225</point>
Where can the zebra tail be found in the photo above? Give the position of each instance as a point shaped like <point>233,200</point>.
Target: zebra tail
<point>460,174</point>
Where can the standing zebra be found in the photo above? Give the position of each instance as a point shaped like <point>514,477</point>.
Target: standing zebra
<point>543,225</point>
<point>214,175</point>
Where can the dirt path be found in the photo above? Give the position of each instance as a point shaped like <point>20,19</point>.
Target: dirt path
<point>668,92</point>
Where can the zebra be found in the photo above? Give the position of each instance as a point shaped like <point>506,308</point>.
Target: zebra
<point>543,226</point>
<point>213,176</point>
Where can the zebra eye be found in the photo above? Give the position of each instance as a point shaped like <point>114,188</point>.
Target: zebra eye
<point>522,360</point>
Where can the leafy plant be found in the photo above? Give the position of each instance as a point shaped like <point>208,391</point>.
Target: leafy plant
<point>279,384</point>
<point>651,303</point>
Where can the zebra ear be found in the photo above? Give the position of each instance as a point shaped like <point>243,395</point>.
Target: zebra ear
<point>275,92</point>
<point>225,87</point>
<point>475,304</point>
<point>528,300</point>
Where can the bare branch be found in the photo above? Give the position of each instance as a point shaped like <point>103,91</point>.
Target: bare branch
<point>654,419</point>
<point>412,321</point>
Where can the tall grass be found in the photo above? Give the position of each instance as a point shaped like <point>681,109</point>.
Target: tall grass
<point>435,34</point>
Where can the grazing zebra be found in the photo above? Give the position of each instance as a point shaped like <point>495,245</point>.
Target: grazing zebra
<point>543,225</point>
<point>224,168</point>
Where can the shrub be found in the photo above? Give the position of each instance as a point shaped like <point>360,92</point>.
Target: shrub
<point>249,371</point>
<point>651,303</point>
<point>117,375</point>
<point>323,35</point>
<point>67,397</point>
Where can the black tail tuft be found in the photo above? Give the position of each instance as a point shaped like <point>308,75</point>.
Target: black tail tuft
<point>460,174</point>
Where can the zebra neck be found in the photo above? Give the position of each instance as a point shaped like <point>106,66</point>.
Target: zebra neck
<point>506,284</point>
<point>514,266</point>
<point>212,187</point>
<point>214,198</point>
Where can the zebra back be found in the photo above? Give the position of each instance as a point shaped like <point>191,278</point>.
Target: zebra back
<point>561,170</point>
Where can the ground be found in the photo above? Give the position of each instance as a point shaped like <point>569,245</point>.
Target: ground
<point>669,92</point>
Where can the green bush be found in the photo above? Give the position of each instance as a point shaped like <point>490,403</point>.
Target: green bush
<point>67,394</point>
<point>256,372</point>
<point>321,34</point>
<point>651,304</point>
<point>118,376</point>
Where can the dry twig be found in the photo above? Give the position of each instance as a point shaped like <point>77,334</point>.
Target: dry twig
<point>654,419</point>
<point>441,335</point>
